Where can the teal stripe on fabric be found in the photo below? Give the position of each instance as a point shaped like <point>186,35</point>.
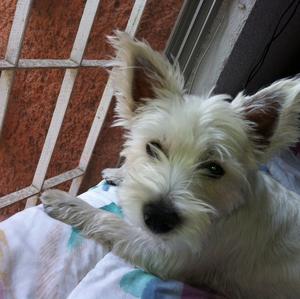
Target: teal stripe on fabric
<point>135,282</point>
<point>75,238</point>
<point>161,289</point>
<point>113,208</point>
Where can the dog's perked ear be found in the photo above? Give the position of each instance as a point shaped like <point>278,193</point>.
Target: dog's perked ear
<point>141,74</point>
<point>272,116</point>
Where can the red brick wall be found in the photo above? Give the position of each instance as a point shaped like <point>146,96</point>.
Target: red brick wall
<point>50,34</point>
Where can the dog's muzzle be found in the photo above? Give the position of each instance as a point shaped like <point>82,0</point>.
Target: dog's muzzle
<point>160,217</point>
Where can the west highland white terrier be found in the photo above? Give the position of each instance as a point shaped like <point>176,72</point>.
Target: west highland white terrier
<point>196,206</point>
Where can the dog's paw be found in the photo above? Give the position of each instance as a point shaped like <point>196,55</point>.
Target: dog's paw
<point>58,204</point>
<point>113,176</point>
<point>53,195</point>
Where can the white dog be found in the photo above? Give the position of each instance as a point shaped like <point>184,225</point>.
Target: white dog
<point>196,207</point>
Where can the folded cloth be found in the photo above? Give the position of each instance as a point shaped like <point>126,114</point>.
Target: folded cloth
<point>42,258</point>
<point>117,279</point>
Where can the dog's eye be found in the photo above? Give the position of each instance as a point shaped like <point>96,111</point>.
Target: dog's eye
<point>214,170</point>
<point>152,149</point>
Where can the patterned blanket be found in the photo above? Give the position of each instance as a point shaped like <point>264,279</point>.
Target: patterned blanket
<point>41,258</point>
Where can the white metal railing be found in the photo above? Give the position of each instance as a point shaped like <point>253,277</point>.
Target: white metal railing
<point>192,35</point>
<point>11,62</point>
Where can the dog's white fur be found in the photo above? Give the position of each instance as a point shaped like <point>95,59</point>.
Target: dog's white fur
<point>240,232</point>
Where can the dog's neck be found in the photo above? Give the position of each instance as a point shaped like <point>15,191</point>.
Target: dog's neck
<point>265,214</point>
<point>254,236</point>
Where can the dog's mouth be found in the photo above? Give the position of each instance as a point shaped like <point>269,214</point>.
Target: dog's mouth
<point>161,217</point>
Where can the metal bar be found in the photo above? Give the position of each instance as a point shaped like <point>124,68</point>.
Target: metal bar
<point>46,63</point>
<point>192,76</point>
<point>170,44</point>
<point>135,16</point>
<point>6,81</point>
<point>63,177</point>
<point>84,30</point>
<point>32,191</point>
<point>4,65</point>
<point>77,52</point>
<point>12,54</point>
<point>31,201</point>
<point>131,28</point>
<point>97,124</point>
<point>93,135</point>
<point>17,196</point>
<point>16,35</point>
<point>55,126</point>
<point>207,18</point>
<point>188,30</point>
<point>55,63</point>
<point>97,63</point>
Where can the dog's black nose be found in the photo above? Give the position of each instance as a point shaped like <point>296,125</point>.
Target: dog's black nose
<point>160,217</point>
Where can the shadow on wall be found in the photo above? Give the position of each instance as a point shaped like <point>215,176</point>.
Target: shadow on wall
<point>282,59</point>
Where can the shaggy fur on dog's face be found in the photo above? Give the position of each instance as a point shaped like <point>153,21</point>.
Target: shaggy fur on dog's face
<point>186,135</point>
<point>196,207</point>
<point>187,155</point>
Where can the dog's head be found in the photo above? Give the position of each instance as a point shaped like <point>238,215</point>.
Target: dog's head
<point>189,159</point>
